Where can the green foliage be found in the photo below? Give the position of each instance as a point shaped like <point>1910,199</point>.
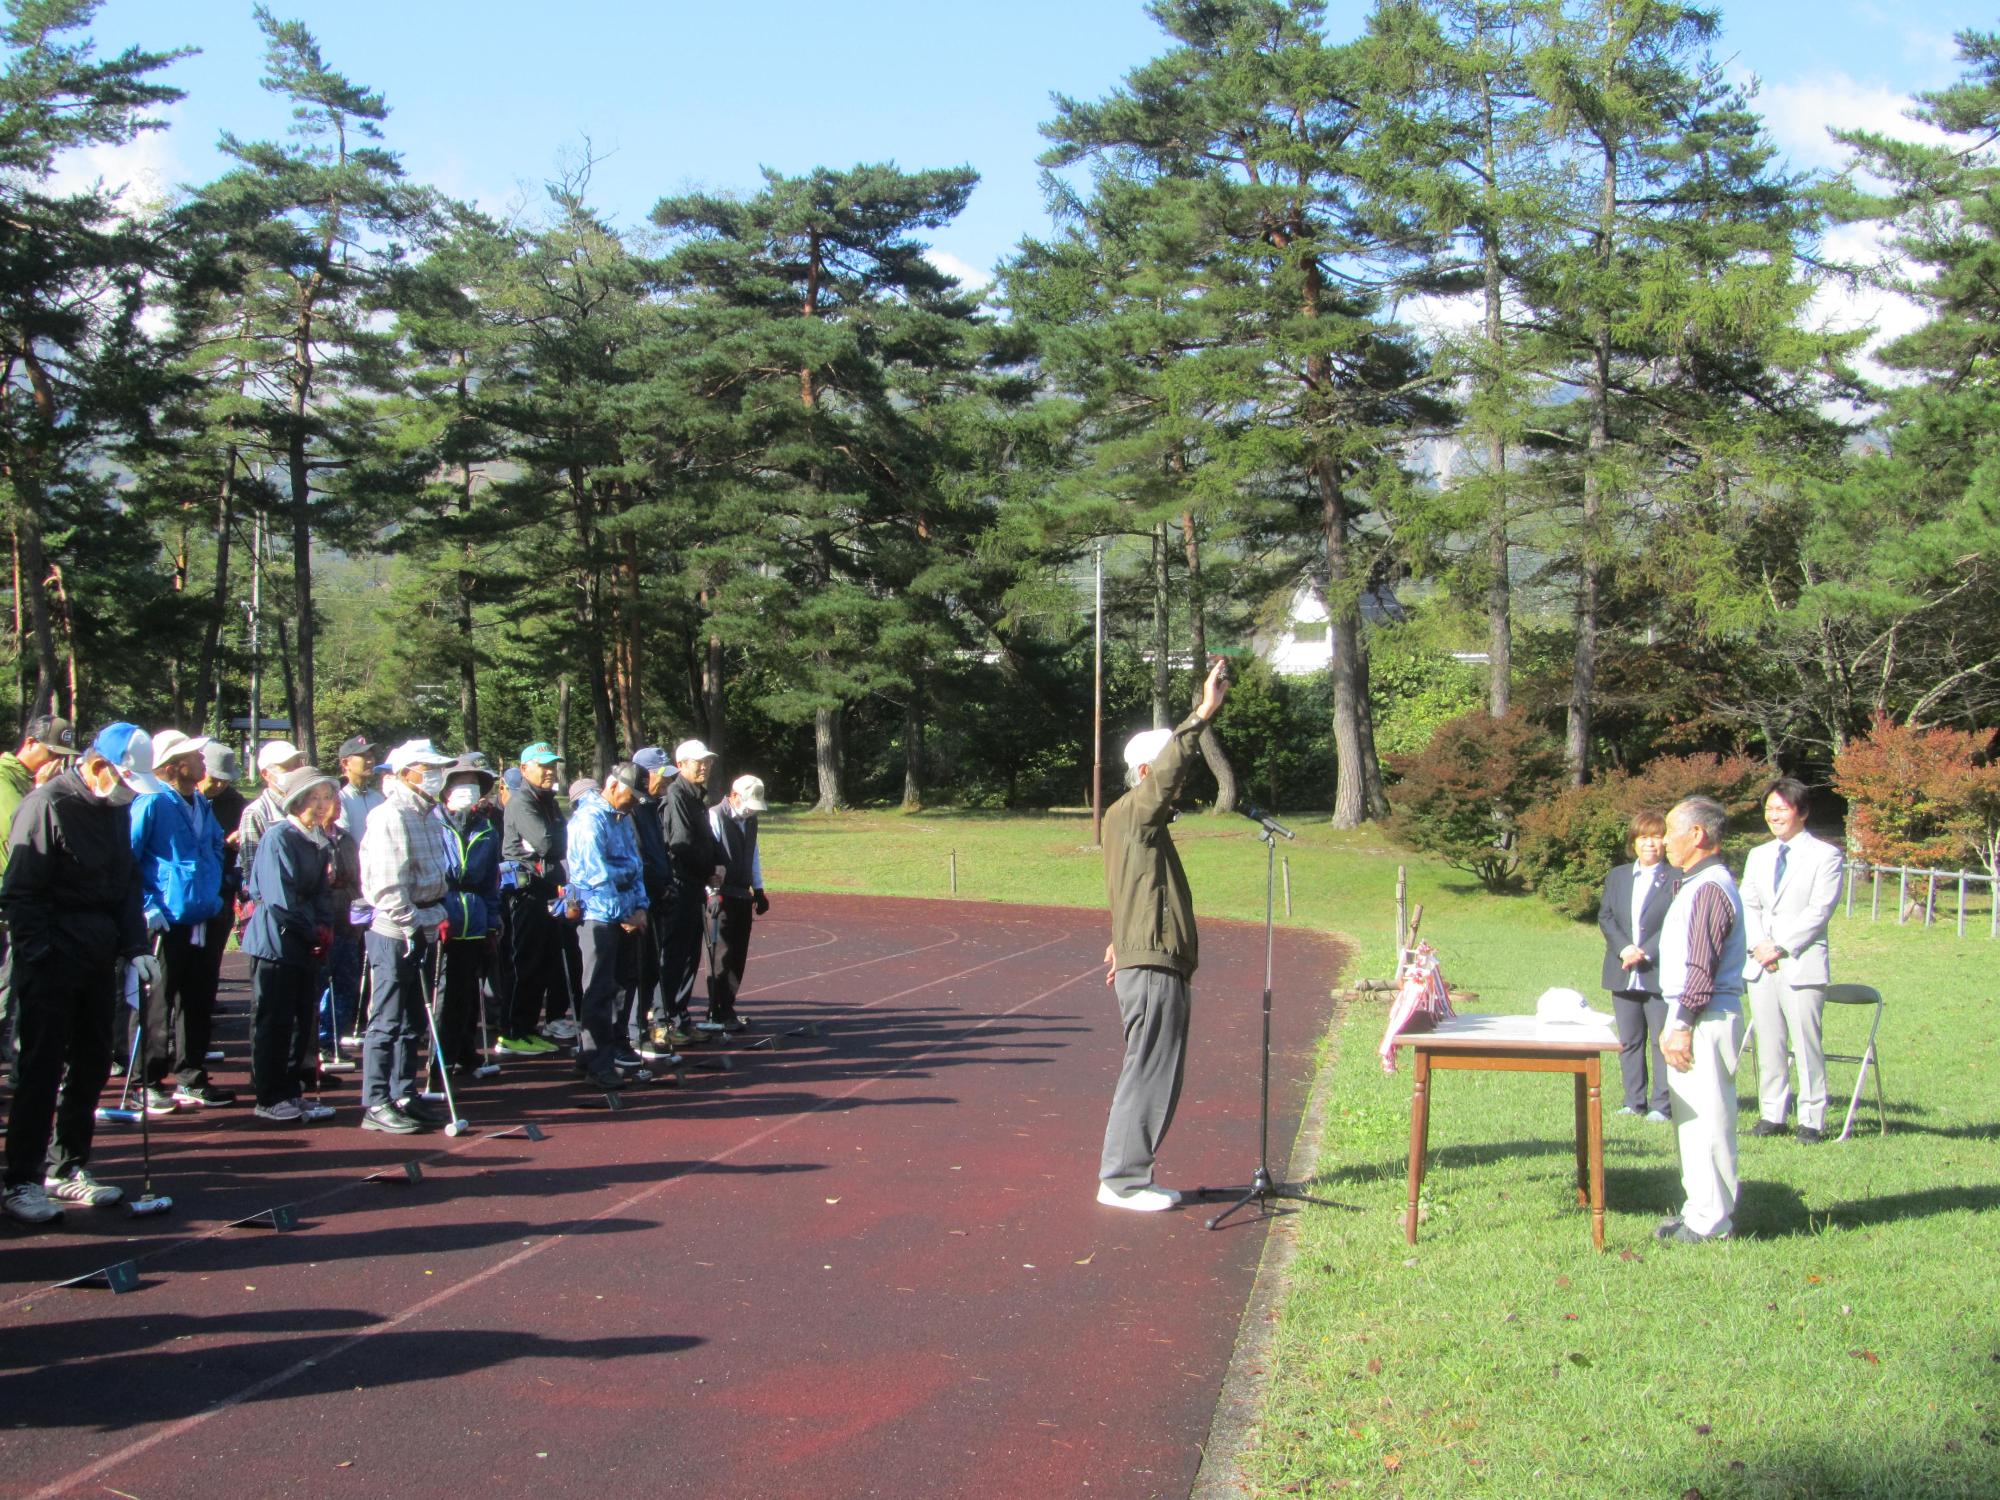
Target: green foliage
<point>1415,689</point>
<point>1570,843</point>
<point>1463,796</point>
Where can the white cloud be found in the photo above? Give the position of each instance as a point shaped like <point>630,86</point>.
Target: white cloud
<point>967,275</point>
<point>144,172</point>
<point>1800,114</point>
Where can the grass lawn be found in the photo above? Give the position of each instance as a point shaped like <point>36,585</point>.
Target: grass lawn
<point>1847,1345</point>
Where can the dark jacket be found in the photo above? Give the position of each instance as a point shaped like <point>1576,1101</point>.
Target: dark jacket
<point>1614,920</point>
<point>533,838</point>
<point>649,828</point>
<point>72,887</point>
<point>227,805</point>
<point>472,872</point>
<point>737,838</point>
<point>1152,909</point>
<point>290,880</point>
<point>690,841</point>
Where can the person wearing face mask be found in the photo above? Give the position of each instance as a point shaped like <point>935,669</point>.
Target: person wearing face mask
<point>71,902</point>
<point>734,823</point>
<point>607,881</point>
<point>636,1013</point>
<point>179,847</point>
<point>403,879</point>
<point>1634,904</point>
<point>471,933</point>
<point>296,894</point>
<point>533,842</point>
<point>274,759</point>
<point>697,865</point>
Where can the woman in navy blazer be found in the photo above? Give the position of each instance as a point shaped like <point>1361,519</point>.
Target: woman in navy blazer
<point>1636,898</point>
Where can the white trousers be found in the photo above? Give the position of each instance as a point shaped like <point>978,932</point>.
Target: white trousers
<point>1786,1021</point>
<point>1704,1100</point>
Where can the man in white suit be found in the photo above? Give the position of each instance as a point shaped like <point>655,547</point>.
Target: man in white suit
<point>1790,888</point>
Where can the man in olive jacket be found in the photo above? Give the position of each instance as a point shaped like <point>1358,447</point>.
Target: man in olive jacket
<point>1153,952</point>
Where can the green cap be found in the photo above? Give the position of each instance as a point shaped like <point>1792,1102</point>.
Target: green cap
<point>541,753</point>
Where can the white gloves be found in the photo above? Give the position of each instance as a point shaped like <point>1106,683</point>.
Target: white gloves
<point>156,921</point>
<point>148,969</point>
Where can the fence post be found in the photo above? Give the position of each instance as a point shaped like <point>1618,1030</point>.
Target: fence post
<point>1930,896</point>
<point>1902,895</point>
<point>1402,909</point>
<point>1286,861</point>
<point>954,872</point>
<point>1848,870</point>
<point>1961,903</point>
<point>1875,893</point>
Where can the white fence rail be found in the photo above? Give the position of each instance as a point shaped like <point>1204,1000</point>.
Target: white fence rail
<point>1927,882</point>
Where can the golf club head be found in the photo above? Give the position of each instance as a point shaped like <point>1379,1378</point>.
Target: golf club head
<point>118,1116</point>
<point>457,1127</point>
<point>486,1070</point>
<point>147,1204</point>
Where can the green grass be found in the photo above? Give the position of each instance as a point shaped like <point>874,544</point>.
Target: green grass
<point>1847,1345</point>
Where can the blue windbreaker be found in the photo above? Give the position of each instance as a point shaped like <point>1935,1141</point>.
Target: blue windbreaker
<point>472,873</point>
<point>178,848</point>
<point>605,875</point>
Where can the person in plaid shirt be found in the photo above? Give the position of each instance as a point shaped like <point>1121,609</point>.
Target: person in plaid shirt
<point>403,879</point>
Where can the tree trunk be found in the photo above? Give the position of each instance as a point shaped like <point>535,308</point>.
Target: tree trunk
<point>1357,793</point>
<point>1499,583</point>
<point>304,733</point>
<point>1211,747</point>
<point>291,685</point>
<point>714,706</point>
<point>631,690</point>
<point>34,583</point>
<point>206,693</point>
<point>913,748</point>
<point>562,727</point>
<point>468,661</point>
<point>1583,673</point>
<point>826,753</point>
<point>1162,667</point>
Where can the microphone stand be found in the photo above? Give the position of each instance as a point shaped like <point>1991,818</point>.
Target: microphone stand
<point>1264,1189</point>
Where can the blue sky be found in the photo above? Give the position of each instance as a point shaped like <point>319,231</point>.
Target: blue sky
<point>487,97</point>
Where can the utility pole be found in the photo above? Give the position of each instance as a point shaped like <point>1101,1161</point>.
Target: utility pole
<point>1097,715</point>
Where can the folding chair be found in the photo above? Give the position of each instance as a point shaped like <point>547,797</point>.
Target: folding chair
<point>1861,994</point>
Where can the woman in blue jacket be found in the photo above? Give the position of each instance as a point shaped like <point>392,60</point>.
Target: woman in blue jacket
<point>470,828</point>
<point>292,882</point>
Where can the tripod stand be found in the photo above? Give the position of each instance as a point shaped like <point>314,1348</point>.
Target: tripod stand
<point>1265,1189</point>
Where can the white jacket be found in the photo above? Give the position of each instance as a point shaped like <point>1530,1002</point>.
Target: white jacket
<point>1794,917</point>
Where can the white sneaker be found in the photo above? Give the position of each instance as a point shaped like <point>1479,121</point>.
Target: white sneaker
<point>284,1112</point>
<point>1145,1200</point>
<point>560,1030</point>
<point>28,1203</point>
<point>81,1187</point>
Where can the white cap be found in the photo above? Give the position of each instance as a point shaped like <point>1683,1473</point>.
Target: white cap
<point>416,753</point>
<point>171,742</point>
<point>274,753</point>
<point>692,750</point>
<point>1564,1005</point>
<point>749,793</point>
<point>1143,746</point>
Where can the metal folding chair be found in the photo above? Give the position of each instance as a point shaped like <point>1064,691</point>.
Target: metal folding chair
<point>1861,994</point>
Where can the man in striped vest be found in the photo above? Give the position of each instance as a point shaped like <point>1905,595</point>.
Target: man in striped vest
<point>1702,953</point>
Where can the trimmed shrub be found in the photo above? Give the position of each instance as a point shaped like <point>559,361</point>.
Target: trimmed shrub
<point>1462,797</point>
<point>1918,796</point>
<point>1570,843</point>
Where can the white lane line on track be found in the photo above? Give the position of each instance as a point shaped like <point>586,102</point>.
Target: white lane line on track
<point>445,1294</point>
<point>171,1246</point>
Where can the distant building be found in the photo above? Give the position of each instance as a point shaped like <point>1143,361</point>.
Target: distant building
<point>1303,642</point>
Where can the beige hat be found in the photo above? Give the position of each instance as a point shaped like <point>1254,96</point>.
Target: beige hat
<point>171,742</point>
<point>749,793</point>
<point>274,753</point>
<point>692,750</point>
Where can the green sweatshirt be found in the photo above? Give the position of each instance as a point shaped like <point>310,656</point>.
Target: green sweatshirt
<point>1152,909</point>
<point>16,781</point>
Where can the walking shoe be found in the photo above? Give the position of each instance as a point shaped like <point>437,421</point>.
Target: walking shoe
<point>159,1102</point>
<point>28,1203</point>
<point>388,1117</point>
<point>1666,1228</point>
<point>311,1110</point>
<point>562,1029</point>
<point>735,1025</point>
<point>80,1187</point>
<point>419,1110</point>
<point>1682,1235</point>
<point>659,1052</point>
<point>205,1097</point>
<point>1149,1199</point>
<point>284,1112</point>
<point>1659,1117</point>
<point>1768,1127</point>
<point>610,1082</point>
<point>1810,1136</point>
<point>626,1060</point>
<point>1627,1110</point>
<point>524,1046</point>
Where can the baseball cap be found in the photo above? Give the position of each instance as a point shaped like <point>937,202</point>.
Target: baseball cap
<point>749,792</point>
<point>171,742</point>
<point>129,749</point>
<point>274,753</point>
<point>541,753</point>
<point>220,761</point>
<point>1145,745</point>
<point>415,753</point>
<point>1566,1006</point>
<point>650,758</point>
<point>628,774</point>
<point>512,776</point>
<point>360,744</point>
<point>53,733</point>
<point>692,750</point>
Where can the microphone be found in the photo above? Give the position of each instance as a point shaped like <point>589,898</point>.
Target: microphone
<point>1265,821</point>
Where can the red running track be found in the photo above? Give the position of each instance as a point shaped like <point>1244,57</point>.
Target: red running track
<point>866,1263</point>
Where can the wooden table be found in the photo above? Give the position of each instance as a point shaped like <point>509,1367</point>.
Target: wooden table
<point>1517,1044</point>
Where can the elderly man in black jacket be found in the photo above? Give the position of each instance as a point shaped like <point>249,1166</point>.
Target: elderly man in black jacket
<point>697,864</point>
<point>72,905</point>
<point>533,843</point>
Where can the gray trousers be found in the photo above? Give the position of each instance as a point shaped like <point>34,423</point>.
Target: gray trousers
<point>1641,1019</point>
<point>1153,1004</point>
<point>1785,1020</point>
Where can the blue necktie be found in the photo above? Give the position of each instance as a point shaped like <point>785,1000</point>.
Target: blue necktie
<point>1778,877</point>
